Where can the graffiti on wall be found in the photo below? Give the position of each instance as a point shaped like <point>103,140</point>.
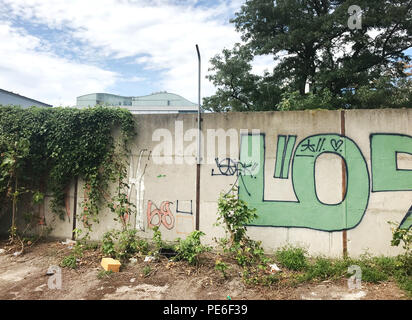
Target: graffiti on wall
<point>160,215</point>
<point>283,157</point>
<point>187,207</point>
<point>406,223</point>
<point>386,175</point>
<point>181,220</point>
<point>308,211</point>
<point>231,167</point>
<point>137,184</point>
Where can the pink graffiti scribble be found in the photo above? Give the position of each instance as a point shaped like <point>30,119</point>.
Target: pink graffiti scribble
<point>163,213</point>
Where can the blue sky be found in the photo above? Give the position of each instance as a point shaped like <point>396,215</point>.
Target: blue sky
<point>56,50</point>
<point>409,52</point>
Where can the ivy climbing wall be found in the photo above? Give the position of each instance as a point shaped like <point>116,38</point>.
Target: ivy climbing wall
<point>326,180</point>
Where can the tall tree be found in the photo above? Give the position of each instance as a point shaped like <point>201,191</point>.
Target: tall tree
<point>316,43</point>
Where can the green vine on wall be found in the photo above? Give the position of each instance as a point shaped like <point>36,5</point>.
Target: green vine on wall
<point>62,144</point>
<point>120,203</point>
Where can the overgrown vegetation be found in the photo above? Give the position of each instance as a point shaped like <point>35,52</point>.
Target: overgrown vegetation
<point>373,269</point>
<point>403,236</point>
<point>157,239</point>
<point>123,245</point>
<point>104,274</point>
<point>292,258</point>
<point>120,204</point>
<point>221,267</point>
<point>70,261</point>
<point>45,149</point>
<point>296,265</point>
<point>317,60</point>
<point>234,214</point>
<point>190,249</point>
<point>147,270</point>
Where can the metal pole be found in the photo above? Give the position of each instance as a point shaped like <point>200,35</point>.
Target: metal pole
<point>198,147</point>
<point>198,108</point>
<point>344,186</point>
<point>74,209</point>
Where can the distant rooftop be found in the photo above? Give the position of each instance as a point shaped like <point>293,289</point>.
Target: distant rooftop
<point>11,98</point>
<point>158,102</point>
<point>162,99</point>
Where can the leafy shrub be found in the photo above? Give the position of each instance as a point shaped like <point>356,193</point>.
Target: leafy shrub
<point>373,275</point>
<point>129,244</point>
<point>123,244</point>
<point>69,262</point>
<point>321,269</point>
<point>403,276</point>
<point>388,265</point>
<point>234,214</point>
<point>147,270</point>
<point>157,238</point>
<point>403,236</point>
<point>405,283</point>
<point>191,248</point>
<point>248,253</point>
<point>222,267</point>
<point>108,244</point>
<point>376,269</point>
<point>292,258</point>
<point>256,276</point>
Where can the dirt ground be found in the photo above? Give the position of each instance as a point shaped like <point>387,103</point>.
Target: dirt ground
<point>24,277</point>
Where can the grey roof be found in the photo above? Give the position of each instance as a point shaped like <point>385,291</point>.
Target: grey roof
<point>162,99</point>
<point>23,97</point>
<point>159,102</point>
<point>102,94</point>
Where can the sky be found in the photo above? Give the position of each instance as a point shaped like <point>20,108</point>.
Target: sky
<point>56,50</point>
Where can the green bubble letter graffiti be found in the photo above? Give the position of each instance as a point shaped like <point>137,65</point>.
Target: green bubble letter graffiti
<point>385,173</point>
<point>308,211</point>
<point>386,176</point>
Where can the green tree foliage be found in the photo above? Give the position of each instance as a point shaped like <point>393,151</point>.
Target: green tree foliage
<point>11,161</point>
<point>311,43</point>
<point>237,88</point>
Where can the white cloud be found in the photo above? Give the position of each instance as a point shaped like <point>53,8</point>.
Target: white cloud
<point>263,63</point>
<point>132,79</point>
<point>161,34</point>
<point>29,71</point>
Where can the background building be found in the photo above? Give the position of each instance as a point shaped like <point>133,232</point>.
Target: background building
<point>160,102</point>
<point>14,99</point>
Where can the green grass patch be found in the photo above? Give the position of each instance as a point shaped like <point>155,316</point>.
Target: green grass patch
<point>374,269</point>
<point>292,258</point>
<point>322,269</point>
<point>147,270</point>
<point>69,262</point>
<point>103,273</point>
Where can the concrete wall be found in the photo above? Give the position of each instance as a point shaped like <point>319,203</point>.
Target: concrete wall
<point>326,180</point>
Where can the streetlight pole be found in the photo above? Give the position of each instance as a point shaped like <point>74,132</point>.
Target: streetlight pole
<point>198,147</point>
